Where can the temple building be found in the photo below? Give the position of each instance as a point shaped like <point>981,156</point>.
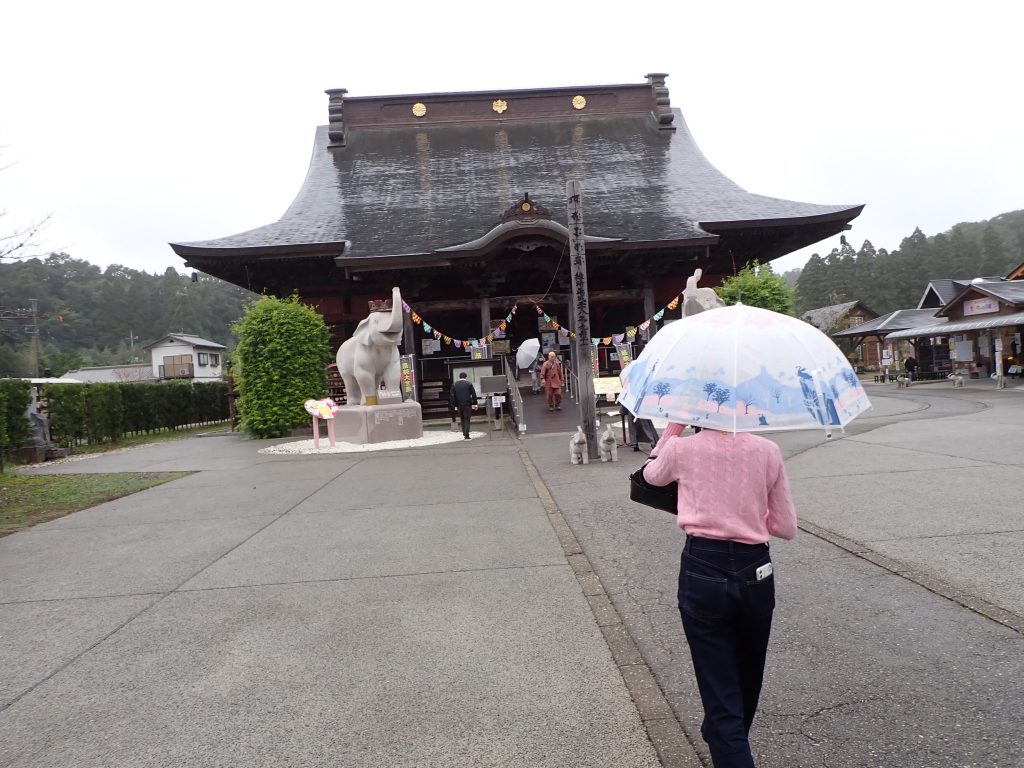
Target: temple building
<point>459,199</point>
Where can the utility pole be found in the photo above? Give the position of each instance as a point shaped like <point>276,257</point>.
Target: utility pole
<point>30,313</point>
<point>132,338</point>
<point>583,355</point>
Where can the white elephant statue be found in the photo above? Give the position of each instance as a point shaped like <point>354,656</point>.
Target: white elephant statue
<point>699,299</point>
<point>371,355</point>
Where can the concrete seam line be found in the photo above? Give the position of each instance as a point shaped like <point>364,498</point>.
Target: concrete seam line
<point>164,595</point>
<point>664,731</point>
<point>934,585</point>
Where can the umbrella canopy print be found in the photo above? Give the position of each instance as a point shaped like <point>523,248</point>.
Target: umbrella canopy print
<point>743,369</point>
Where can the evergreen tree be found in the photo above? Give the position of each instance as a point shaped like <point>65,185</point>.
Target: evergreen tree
<point>994,257</point>
<point>812,288</point>
<point>867,272</point>
<point>942,258</point>
<point>966,255</point>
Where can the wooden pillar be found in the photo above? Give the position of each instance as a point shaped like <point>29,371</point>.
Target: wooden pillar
<point>485,316</point>
<point>649,312</point>
<point>579,308</point>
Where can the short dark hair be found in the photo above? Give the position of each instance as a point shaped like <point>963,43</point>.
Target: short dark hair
<point>462,375</point>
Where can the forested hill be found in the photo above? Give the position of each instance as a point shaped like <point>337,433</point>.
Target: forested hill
<point>886,281</point>
<point>105,317</point>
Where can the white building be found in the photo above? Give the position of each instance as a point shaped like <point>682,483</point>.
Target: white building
<point>182,356</point>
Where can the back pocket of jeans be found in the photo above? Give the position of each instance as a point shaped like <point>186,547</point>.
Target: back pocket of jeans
<point>760,596</point>
<point>703,596</point>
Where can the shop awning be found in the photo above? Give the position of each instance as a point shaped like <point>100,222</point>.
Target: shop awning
<point>945,329</point>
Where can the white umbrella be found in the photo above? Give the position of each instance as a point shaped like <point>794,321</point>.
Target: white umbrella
<point>743,369</point>
<point>527,353</point>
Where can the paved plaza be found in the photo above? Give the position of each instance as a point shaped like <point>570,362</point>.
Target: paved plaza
<point>485,603</point>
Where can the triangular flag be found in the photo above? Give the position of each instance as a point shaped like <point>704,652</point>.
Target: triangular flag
<point>426,328</point>
<point>405,306</point>
<point>660,314</point>
<point>618,338</point>
<point>606,340</point>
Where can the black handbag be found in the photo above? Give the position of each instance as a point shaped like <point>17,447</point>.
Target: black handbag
<point>663,497</point>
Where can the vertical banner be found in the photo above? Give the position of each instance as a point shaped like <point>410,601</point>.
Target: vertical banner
<point>625,354</point>
<point>580,307</point>
<point>407,366</point>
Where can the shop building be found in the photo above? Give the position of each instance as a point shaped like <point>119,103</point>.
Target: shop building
<point>976,334</point>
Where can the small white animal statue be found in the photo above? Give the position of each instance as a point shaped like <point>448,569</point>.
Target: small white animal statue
<point>606,445</point>
<point>578,448</point>
<point>699,299</point>
<point>371,355</point>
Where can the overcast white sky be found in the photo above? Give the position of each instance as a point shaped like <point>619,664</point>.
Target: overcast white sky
<point>135,124</point>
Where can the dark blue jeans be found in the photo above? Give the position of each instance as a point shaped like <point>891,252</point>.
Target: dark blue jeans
<point>465,414</point>
<point>727,618</point>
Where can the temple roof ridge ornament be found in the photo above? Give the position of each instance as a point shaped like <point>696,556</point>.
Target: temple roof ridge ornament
<point>335,114</point>
<point>526,209</point>
<point>662,103</point>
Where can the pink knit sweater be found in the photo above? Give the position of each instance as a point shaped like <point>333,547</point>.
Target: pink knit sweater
<point>731,487</point>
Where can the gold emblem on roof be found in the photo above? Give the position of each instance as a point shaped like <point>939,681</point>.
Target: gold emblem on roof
<point>419,109</point>
<point>579,102</point>
<point>499,105</point>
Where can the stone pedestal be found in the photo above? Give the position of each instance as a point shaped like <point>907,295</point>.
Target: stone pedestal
<point>362,424</point>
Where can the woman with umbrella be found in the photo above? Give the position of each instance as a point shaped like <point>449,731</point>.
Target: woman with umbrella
<point>733,496</point>
<point>733,371</point>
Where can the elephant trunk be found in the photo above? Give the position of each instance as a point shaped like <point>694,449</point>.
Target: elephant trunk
<point>397,320</point>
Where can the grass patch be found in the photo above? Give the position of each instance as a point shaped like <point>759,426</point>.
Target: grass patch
<point>26,500</point>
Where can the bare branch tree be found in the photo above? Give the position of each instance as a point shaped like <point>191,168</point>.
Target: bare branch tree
<point>20,243</point>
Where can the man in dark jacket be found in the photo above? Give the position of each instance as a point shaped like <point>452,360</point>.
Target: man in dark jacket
<point>463,397</point>
<point>910,364</point>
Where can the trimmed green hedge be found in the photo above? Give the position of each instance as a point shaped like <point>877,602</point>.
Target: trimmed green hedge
<point>99,413</point>
<point>15,396</point>
<point>281,361</point>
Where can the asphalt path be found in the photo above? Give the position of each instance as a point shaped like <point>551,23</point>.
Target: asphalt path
<point>898,632</point>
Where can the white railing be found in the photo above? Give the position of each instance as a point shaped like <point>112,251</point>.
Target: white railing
<point>515,400</point>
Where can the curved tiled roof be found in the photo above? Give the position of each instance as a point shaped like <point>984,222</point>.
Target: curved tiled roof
<point>413,189</point>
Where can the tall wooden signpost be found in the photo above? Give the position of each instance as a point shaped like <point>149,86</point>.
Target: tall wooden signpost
<point>580,306</point>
